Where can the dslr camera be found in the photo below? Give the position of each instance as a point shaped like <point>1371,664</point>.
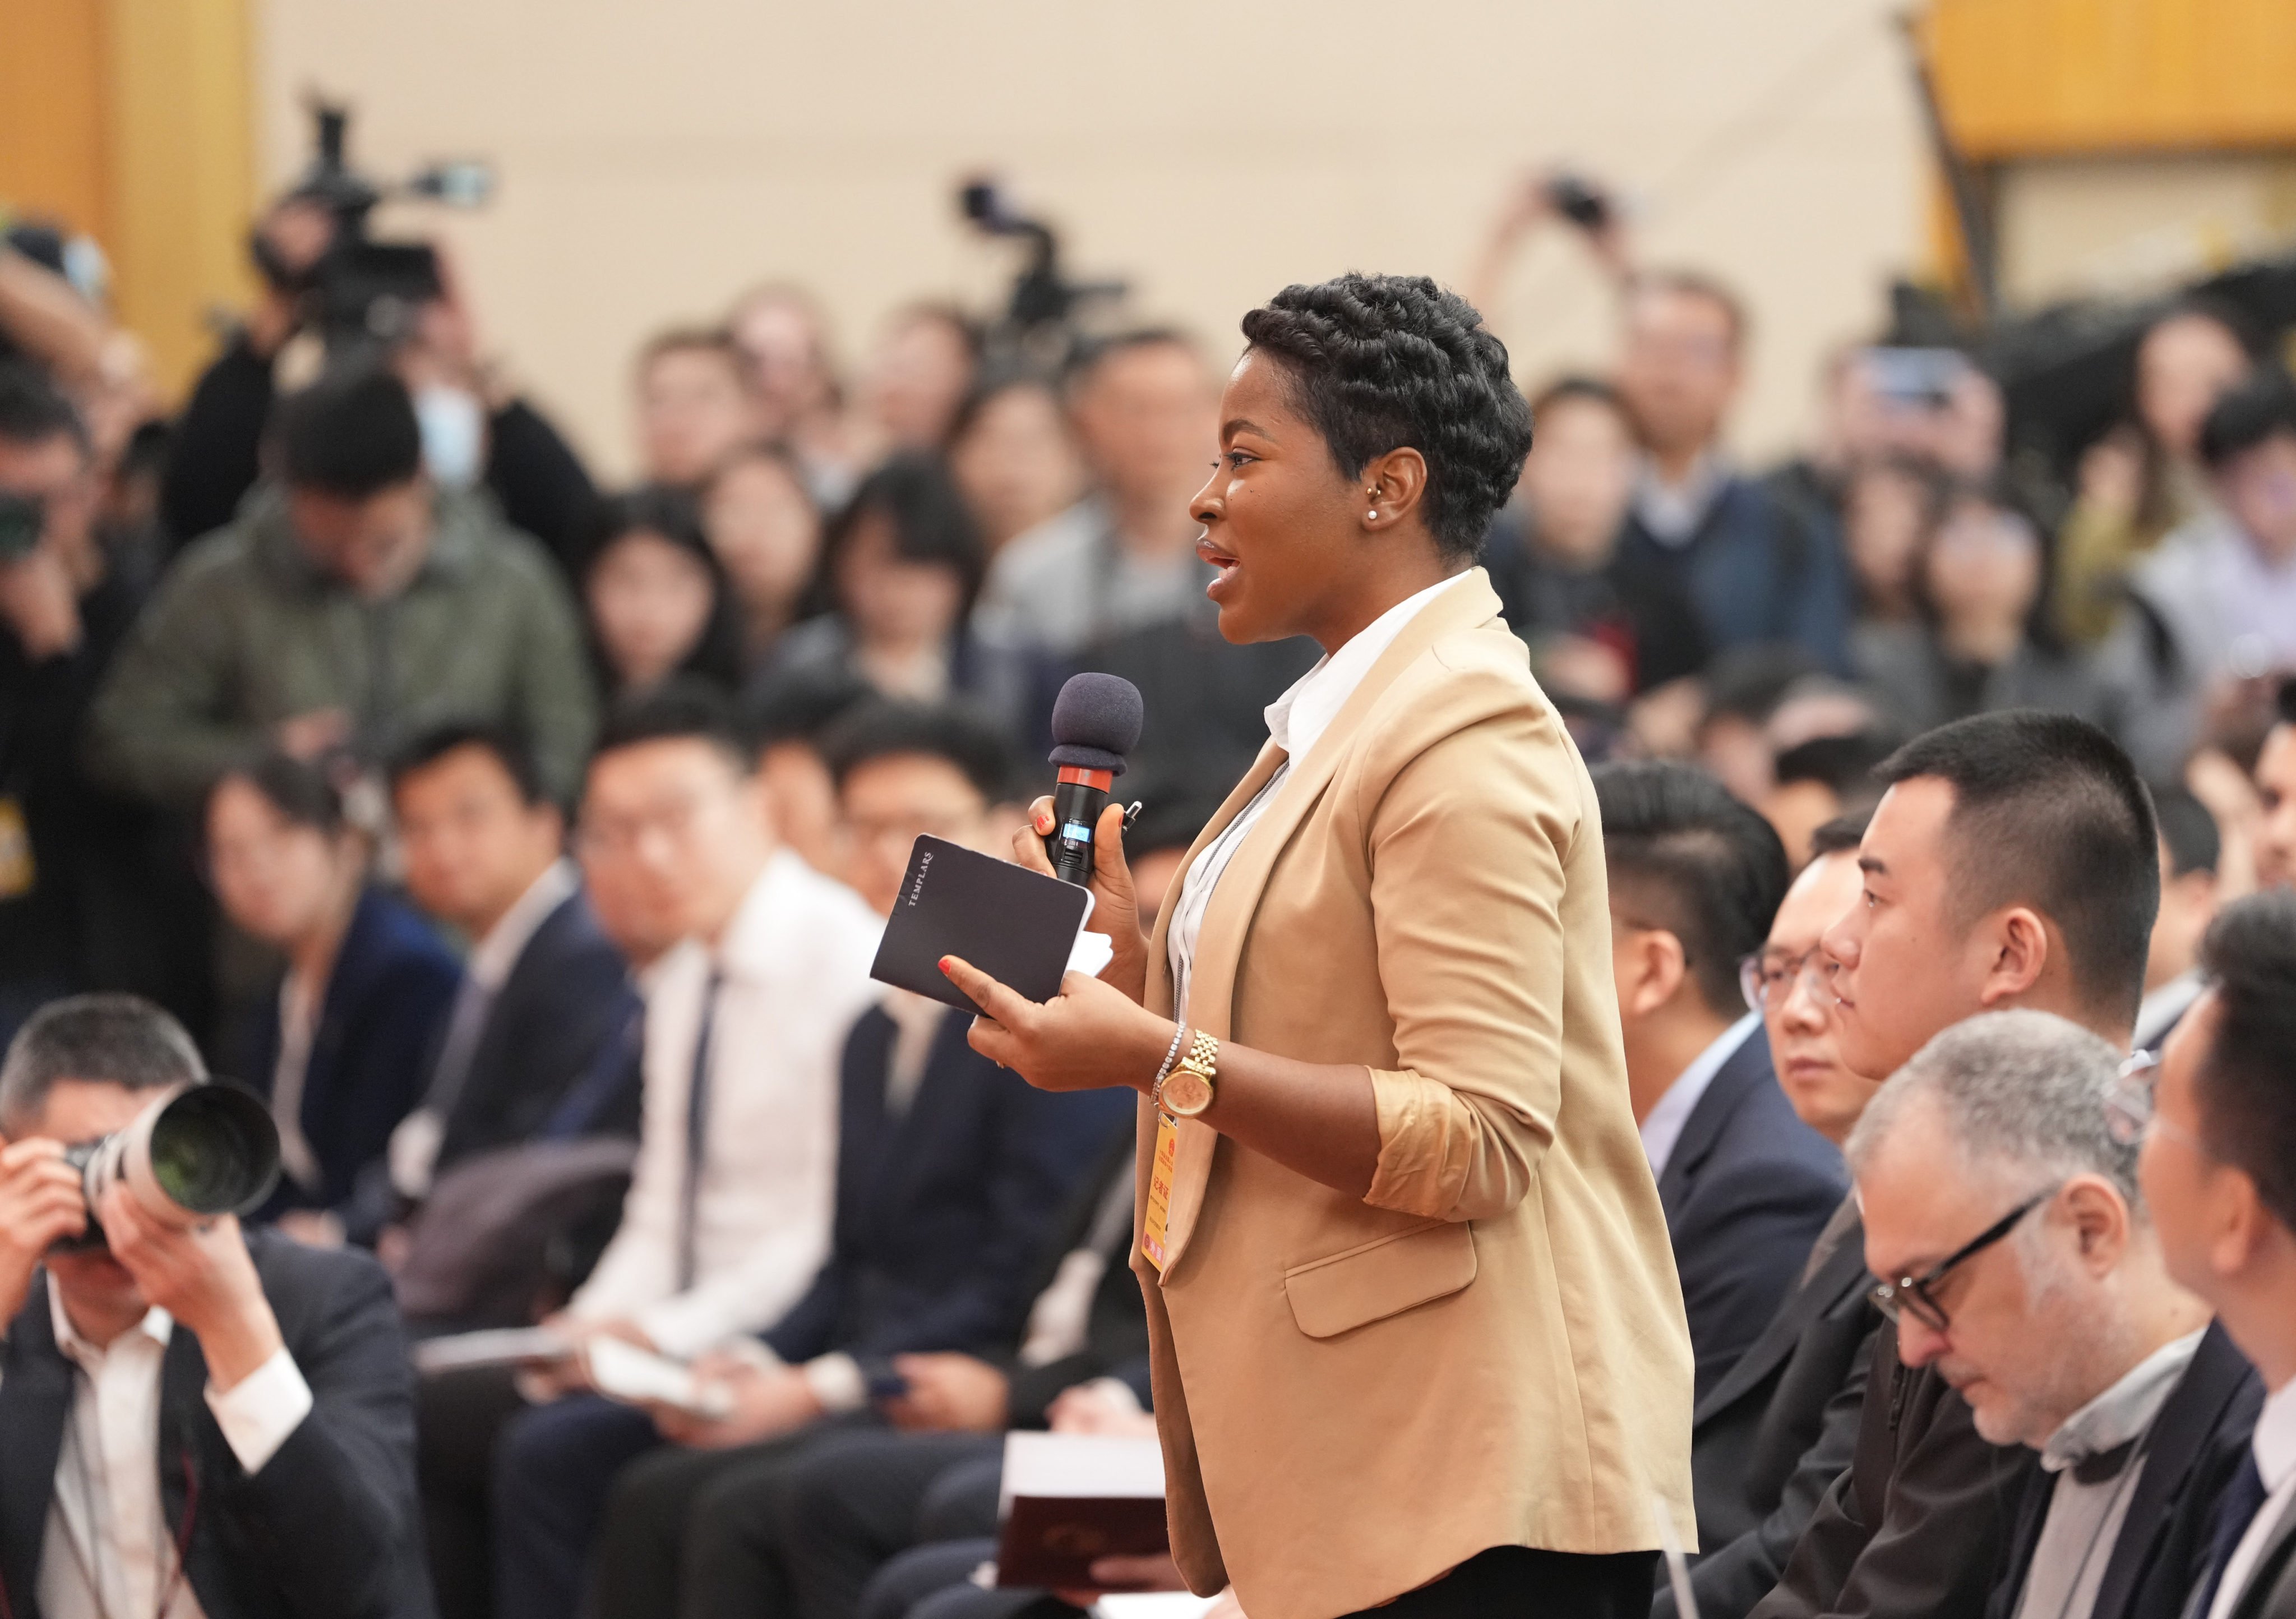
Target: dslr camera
<point>200,1151</point>
<point>361,290</point>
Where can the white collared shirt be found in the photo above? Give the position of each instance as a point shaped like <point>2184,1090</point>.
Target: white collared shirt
<point>2274,1443</point>
<point>1663,1128</point>
<point>795,966</point>
<point>107,1547</point>
<point>1672,512</point>
<point>414,1144</point>
<point>1296,723</point>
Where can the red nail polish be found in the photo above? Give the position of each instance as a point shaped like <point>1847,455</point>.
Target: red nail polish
<point>945,961</point>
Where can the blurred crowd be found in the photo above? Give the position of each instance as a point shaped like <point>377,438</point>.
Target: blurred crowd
<point>525,843</point>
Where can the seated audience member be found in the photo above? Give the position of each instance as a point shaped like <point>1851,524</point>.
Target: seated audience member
<point>2017,1258</point>
<point>761,522</point>
<point>354,606</point>
<point>793,378</point>
<point>2218,1167</point>
<point>545,996</point>
<point>2216,599</point>
<point>901,568</point>
<point>2275,792</point>
<point>1014,454</point>
<point>786,718</point>
<point>196,1421</point>
<point>2190,847</point>
<point>1600,626</point>
<point>1767,1440</point>
<point>1695,880</point>
<point>1823,779</point>
<point>917,378</point>
<point>1890,510</point>
<point>1125,555</point>
<point>1978,642</point>
<point>1868,419</point>
<point>91,890</point>
<point>342,1048</point>
<point>660,604</point>
<point>2144,479</point>
<point>728,1218</point>
<point>949,1170</point>
<point>696,404</point>
<point>473,429</point>
<point>2013,863</point>
<point>1755,568</point>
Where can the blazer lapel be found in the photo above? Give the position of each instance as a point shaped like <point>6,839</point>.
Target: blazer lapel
<point>2272,1567</point>
<point>1744,1068</point>
<point>1228,919</point>
<point>35,1401</point>
<point>2188,1420</point>
<point>1843,1270</point>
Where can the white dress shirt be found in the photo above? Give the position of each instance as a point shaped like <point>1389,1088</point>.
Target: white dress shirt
<point>107,1548</point>
<point>2274,1443</point>
<point>1663,1126</point>
<point>1296,723</point>
<point>414,1153</point>
<point>795,966</point>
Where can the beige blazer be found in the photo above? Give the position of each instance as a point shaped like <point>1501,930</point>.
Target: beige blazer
<point>1489,1348</point>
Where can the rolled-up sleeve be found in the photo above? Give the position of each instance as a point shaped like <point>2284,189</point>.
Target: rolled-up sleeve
<point>1468,844</point>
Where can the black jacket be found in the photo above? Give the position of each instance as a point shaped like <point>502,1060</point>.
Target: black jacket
<point>1919,1522</point>
<point>1746,1189</point>
<point>1116,1327</point>
<point>1769,1440</point>
<point>2197,1443</point>
<point>329,1529</point>
<point>2270,1591</point>
<point>940,1210</point>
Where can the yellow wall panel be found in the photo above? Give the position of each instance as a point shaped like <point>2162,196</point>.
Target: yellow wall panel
<point>2029,77</point>
<point>51,156</point>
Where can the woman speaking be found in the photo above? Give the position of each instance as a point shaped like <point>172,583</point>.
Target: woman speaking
<point>1416,1337</point>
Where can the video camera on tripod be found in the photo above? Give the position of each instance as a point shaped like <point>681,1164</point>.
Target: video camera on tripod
<point>360,290</point>
<point>1040,321</point>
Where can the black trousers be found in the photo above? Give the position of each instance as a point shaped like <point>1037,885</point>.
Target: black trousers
<point>860,1500</point>
<point>458,1418</point>
<point>1509,1580</point>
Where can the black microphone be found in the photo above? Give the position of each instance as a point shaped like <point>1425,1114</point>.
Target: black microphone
<point>1095,723</point>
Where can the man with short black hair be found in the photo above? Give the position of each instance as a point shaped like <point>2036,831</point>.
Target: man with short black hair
<point>195,1421</point>
<point>545,997</point>
<point>1695,877</point>
<point>2218,1166</point>
<point>353,604</point>
<point>2013,862</point>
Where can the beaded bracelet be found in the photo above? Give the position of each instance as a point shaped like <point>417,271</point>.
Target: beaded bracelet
<point>1171,1056</point>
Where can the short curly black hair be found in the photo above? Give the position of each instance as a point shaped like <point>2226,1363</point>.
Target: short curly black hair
<point>1386,362</point>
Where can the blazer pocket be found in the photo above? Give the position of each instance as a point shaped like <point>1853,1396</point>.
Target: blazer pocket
<point>1380,1278</point>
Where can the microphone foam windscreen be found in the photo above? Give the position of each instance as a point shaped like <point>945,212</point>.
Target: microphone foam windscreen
<point>1097,722</point>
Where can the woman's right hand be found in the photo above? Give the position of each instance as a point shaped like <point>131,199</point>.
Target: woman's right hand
<point>1115,908</point>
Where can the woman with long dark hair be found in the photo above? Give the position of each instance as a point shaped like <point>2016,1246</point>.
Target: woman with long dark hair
<point>1415,1332</point>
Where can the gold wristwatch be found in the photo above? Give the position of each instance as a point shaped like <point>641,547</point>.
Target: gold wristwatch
<point>1187,1089</point>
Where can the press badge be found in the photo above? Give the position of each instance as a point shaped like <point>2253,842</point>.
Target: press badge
<point>1160,1189</point>
<point>17,872</point>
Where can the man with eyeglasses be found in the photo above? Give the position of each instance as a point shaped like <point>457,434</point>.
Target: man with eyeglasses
<point>1769,1438</point>
<point>728,1217</point>
<point>1696,876</point>
<point>2057,1320</point>
<point>2013,862</point>
<point>2217,1118</point>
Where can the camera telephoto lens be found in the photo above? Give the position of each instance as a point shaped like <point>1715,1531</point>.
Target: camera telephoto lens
<point>213,1151</point>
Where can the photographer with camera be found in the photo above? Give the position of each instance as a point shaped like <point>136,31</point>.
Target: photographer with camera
<point>323,276</point>
<point>195,1421</point>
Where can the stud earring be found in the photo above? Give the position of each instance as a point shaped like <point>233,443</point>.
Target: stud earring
<point>1371,516</point>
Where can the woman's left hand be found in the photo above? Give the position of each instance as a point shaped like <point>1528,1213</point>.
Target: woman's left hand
<point>1088,1037</point>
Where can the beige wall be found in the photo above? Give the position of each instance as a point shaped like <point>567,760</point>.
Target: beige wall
<point>657,157</point>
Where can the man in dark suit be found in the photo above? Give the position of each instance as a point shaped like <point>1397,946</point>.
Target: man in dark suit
<point>948,1169</point>
<point>2219,1168</point>
<point>545,996</point>
<point>1695,879</point>
<point>1769,1437</point>
<point>2013,863</point>
<point>2002,1209</point>
<point>243,1398</point>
